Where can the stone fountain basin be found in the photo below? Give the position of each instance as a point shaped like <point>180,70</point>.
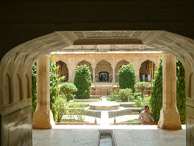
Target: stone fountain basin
<point>104,106</point>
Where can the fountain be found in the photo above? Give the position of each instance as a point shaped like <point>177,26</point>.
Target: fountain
<point>104,105</point>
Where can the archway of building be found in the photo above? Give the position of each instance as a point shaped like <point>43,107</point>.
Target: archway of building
<point>16,68</point>
<point>118,67</point>
<point>87,64</point>
<point>104,71</point>
<point>63,70</point>
<point>146,71</point>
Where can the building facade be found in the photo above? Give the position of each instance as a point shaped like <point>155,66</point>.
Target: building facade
<point>104,67</point>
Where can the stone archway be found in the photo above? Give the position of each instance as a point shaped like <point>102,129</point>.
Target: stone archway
<point>106,68</point>
<point>118,67</point>
<point>146,71</point>
<point>63,70</point>
<point>20,59</point>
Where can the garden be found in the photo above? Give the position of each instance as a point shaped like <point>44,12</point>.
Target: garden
<point>69,102</point>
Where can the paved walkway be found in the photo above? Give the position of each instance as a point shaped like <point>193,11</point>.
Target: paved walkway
<point>131,135</point>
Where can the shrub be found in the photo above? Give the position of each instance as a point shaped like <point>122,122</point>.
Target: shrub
<point>68,89</point>
<point>114,96</point>
<point>127,77</point>
<point>136,94</point>
<point>157,93</point>
<point>142,102</point>
<point>54,88</point>
<point>142,86</point>
<point>125,94</point>
<point>83,82</point>
<point>78,110</point>
<point>62,107</point>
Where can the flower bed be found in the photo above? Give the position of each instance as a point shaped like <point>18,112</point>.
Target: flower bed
<point>74,122</point>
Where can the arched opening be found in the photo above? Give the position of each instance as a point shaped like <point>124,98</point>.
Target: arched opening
<point>103,76</point>
<point>118,67</point>
<point>146,71</point>
<point>160,40</point>
<point>104,71</point>
<point>84,62</point>
<point>63,70</point>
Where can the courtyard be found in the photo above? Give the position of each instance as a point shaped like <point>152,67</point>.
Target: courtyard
<point>141,135</point>
<point>55,99</point>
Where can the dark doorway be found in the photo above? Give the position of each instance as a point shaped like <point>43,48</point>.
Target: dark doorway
<point>103,76</point>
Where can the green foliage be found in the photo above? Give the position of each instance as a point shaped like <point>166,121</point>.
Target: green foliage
<point>125,94</point>
<point>181,91</point>
<point>142,86</point>
<point>157,93</point>
<point>78,110</point>
<point>54,88</point>
<point>142,102</point>
<point>137,94</point>
<point>68,89</point>
<point>62,107</point>
<point>34,89</point>
<point>156,96</point>
<point>114,97</point>
<point>127,77</point>
<point>83,82</point>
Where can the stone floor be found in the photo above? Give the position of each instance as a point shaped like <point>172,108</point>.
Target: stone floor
<point>133,135</point>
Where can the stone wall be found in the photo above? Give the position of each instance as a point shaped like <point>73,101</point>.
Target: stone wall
<point>24,20</point>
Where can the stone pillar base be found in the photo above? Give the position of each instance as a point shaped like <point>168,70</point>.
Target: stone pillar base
<point>43,120</point>
<point>169,120</point>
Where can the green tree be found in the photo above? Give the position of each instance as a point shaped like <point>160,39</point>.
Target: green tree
<point>68,89</point>
<point>83,82</point>
<point>181,91</point>
<point>34,89</point>
<point>54,88</point>
<point>127,77</point>
<point>157,93</point>
<point>142,86</point>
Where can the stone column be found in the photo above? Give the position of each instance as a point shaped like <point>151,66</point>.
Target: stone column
<point>137,68</point>
<point>43,118</point>
<point>169,115</point>
<point>71,74</point>
<point>94,75</point>
<point>113,74</point>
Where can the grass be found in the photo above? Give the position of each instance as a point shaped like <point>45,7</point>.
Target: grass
<point>132,121</point>
<point>72,121</point>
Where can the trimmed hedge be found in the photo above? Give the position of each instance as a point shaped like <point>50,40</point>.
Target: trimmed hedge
<point>83,82</point>
<point>127,77</point>
<point>157,92</point>
<point>68,89</point>
<point>142,86</point>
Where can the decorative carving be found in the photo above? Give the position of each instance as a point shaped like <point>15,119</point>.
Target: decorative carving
<point>28,86</point>
<point>19,87</point>
<point>7,96</point>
